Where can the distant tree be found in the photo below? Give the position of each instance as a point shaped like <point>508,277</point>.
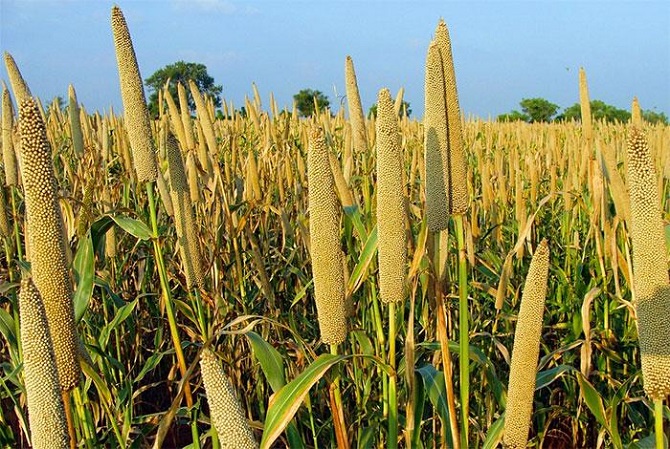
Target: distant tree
<point>372,112</point>
<point>532,110</point>
<point>538,109</point>
<point>654,117</point>
<point>599,111</point>
<point>513,116</point>
<point>182,72</point>
<point>306,99</point>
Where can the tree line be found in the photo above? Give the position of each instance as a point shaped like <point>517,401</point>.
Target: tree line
<point>542,110</point>
<point>308,100</point>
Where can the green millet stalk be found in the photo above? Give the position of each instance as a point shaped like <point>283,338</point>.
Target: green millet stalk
<point>324,227</point>
<point>391,208</point>
<point>46,413</point>
<point>19,86</point>
<point>75,122</point>
<point>134,102</point>
<point>45,237</point>
<point>184,217</point>
<point>650,268</point>
<point>455,153</point>
<point>435,143</point>
<point>8,155</point>
<point>225,410</point>
<point>526,350</point>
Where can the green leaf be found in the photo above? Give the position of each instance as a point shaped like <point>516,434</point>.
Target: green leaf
<point>84,267</point>
<point>546,377</point>
<point>121,315</point>
<point>359,273</point>
<point>151,363</point>
<point>419,403</point>
<point>648,443</point>
<point>100,384</point>
<point>366,438</point>
<point>134,227</point>
<point>98,230</point>
<point>285,403</point>
<point>667,237</point>
<point>433,381</point>
<point>593,400</point>
<point>355,215</point>
<point>8,328</point>
<point>495,434</point>
<point>270,360</point>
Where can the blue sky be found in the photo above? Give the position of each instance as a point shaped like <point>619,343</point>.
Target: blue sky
<point>504,51</point>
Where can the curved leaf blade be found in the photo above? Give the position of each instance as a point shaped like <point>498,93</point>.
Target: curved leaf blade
<point>84,267</point>
<point>285,403</point>
<point>270,360</point>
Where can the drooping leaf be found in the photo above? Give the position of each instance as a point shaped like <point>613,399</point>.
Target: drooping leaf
<point>546,377</point>
<point>285,403</point>
<point>270,360</point>
<point>134,227</point>
<point>593,400</point>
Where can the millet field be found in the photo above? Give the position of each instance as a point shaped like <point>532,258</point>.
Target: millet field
<point>260,279</point>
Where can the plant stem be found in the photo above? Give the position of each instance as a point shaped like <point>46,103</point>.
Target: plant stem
<point>336,403</point>
<point>463,331</point>
<point>658,421</point>
<point>68,417</point>
<point>443,338</point>
<point>392,442</point>
<point>167,295</point>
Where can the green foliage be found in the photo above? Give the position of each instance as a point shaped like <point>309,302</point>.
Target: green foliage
<point>599,111</point>
<point>404,109</point>
<point>306,99</point>
<point>655,117</point>
<point>182,72</point>
<point>513,117</point>
<point>538,109</point>
<point>532,110</point>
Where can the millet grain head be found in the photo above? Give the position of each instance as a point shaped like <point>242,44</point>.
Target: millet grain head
<point>225,410</point>
<point>134,102</point>
<point>391,207</point>
<point>525,353</point>
<point>356,116</point>
<point>46,414</point>
<point>435,143</point>
<point>455,151</point>
<point>184,216</point>
<point>45,237</point>
<point>19,86</point>
<point>8,154</point>
<point>650,268</point>
<point>326,254</point>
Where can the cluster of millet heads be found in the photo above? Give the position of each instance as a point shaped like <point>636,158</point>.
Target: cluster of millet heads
<point>445,163</point>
